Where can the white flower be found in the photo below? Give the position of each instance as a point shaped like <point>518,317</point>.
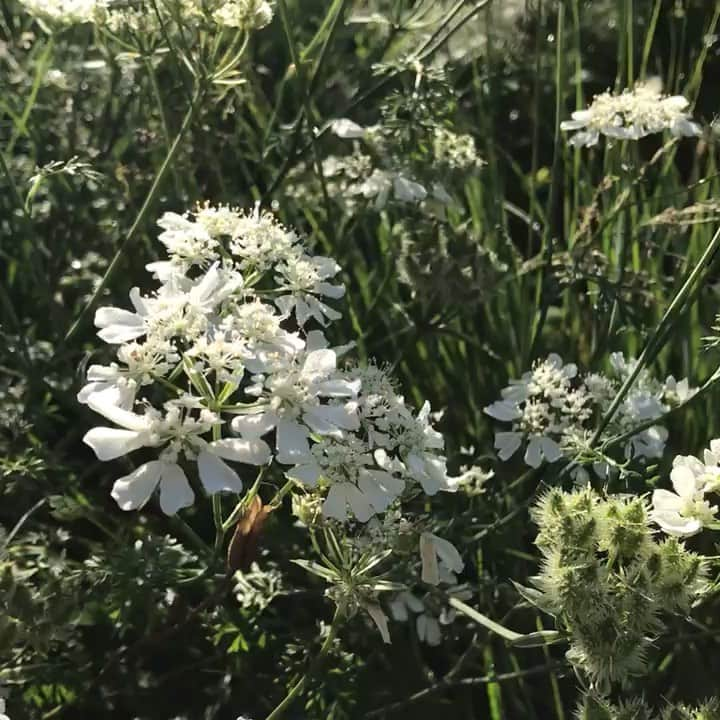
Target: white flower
<point>143,363</point>
<point>631,115</point>
<point>346,128</point>
<point>246,14</point>
<point>303,278</point>
<point>180,433</point>
<point>261,242</point>
<point>187,242</point>
<point>437,553</point>
<point>684,512</point>
<point>67,12</point>
<point>354,480</point>
<point>290,403</point>
<point>181,308</point>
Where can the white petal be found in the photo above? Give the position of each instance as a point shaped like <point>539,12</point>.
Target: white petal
<point>252,451</point>
<point>430,571</point>
<point>338,388</point>
<point>308,474</point>
<point>380,620</point>
<point>217,476</point>
<point>346,129</point>
<point>110,443</point>
<point>428,630</point>
<point>118,326</point>
<point>551,450</point>
<point>326,419</point>
<point>254,426</point>
<point>408,190</point>
<point>448,554</point>
<point>315,340</point>
<point>374,493</point>
<point>533,453</point>
<point>507,443</point>
<point>134,490</point>
<point>175,490</point>
<point>319,362</point>
<point>684,481</point>
<point>103,405</point>
<point>666,501</point>
<point>292,442</point>
<point>504,410</point>
<point>399,610</point>
<point>675,525</point>
<point>435,477</point>
<point>359,504</point>
<point>335,505</point>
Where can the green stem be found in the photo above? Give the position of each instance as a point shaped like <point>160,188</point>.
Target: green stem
<point>281,493</point>
<point>13,188</point>
<point>299,686</point>
<point>244,503</point>
<point>147,204</point>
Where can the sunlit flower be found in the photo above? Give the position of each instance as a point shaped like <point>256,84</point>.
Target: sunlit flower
<point>685,511</point>
<point>631,115</point>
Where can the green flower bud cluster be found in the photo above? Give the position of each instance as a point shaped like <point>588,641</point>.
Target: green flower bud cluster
<point>607,580</point>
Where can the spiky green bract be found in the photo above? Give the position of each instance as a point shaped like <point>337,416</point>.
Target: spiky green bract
<point>593,707</point>
<point>608,581</point>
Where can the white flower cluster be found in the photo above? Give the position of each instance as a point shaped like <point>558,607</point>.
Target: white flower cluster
<point>67,12</point>
<point>225,342</point>
<point>631,115</point>
<point>147,17</point>
<point>552,408</point>
<point>456,151</point>
<point>441,562</point>
<point>686,511</point>
<point>362,178</point>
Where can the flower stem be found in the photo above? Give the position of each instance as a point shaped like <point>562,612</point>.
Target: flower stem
<point>147,204</point>
<point>281,493</point>
<point>299,686</point>
<point>244,503</point>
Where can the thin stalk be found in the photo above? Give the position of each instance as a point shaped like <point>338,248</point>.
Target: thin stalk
<point>242,506</point>
<point>147,204</point>
<point>649,37</point>
<point>306,100</point>
<point>13,188</point>
<point>217,505</point>
<point>299,686</point>
<point>20,127</point>
<point>542,303</point>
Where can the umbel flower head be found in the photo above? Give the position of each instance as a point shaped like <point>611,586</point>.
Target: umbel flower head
<point>632,115</point>
<point>553,405</point>
<point>226,366</point>
<point>151,17</point>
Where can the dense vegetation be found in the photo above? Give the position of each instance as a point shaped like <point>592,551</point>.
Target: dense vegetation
<point>547,282</point>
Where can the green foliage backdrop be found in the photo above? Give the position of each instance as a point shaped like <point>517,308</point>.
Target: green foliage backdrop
<point>543,248</point>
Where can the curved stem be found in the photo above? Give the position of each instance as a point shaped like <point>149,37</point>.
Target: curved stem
<point>299,686</point>
<point>152,193</point>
